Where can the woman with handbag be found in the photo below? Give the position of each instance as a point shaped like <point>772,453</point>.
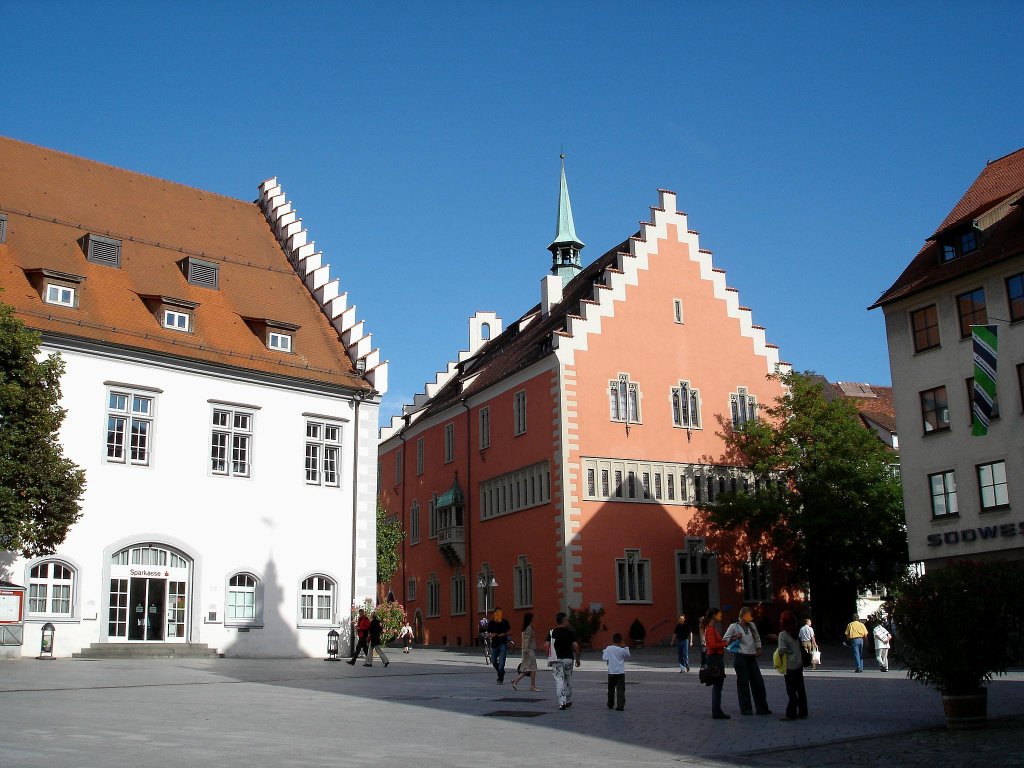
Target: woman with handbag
<point>528,666</point>
<point>789,646</point>
<point>713,673</point>
<point>749,683</point>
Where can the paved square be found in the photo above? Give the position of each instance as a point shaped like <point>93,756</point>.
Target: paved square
<point>442,708</point>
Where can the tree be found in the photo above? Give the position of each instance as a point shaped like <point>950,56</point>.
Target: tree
<point>826,493</point>
<point>389,536</point>
<point>40,488</point>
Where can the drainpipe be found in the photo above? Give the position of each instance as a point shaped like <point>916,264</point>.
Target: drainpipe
<point>356,402</point>
<point>401,511</point>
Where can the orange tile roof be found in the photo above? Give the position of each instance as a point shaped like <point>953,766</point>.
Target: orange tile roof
<point>998,182</point>
<point>52,200</point>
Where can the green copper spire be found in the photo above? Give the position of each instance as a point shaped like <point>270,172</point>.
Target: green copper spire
<point>565,248</point>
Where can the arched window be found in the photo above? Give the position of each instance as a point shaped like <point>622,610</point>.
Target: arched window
<point>485,331</point>
<point>316,600</point>
<point>51,590</point>
<point>244,604</point>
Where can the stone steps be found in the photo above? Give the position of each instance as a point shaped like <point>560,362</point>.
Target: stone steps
<point>147,651</point>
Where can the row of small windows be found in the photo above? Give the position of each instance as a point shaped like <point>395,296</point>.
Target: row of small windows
<point>620,480</point>
<point>935,415</point>
<point>624,404</point>
<point>971,310</point>
<point>129,438</point>
<point>515,491</point>
<point>51,592</point>
<point>522,589</point>
<point>993,492</point>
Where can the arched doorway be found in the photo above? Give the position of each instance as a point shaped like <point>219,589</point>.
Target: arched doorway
<point>150,594</point>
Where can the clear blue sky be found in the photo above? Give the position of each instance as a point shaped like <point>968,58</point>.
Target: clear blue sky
<point>814,145</point>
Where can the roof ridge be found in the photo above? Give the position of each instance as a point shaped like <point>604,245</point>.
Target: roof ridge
<point>118,168</point>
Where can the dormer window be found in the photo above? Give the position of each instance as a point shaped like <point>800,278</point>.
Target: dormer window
<point>205,274</point>
<point>277,335</point>
<point>172,314</point>
<point>61,295</point>
<point>963,244</point>
<point>968,242</point>
<point>57,288</point>
<point>282,342</point>
<point>177,320</point>
<point>103,250</point>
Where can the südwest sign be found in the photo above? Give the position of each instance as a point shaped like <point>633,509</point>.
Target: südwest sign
<point>970,535</point>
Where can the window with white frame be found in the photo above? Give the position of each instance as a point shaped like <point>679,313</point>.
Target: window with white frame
<point>279,342</point>
<point>514,491</point>
<point>624,399</point>
<point>433,596</point>
<point>242,606</point>
<point>992,485</point>
<point>449,443</point>
<point>129,426</point>
<point>316,600</point>
<point>519,411</point>
<point>410,589</point>
<point>60,295</point>
<point>943,492</point>
<point>743,407</point>
<point>176,320</point>
<point>414,523</point>
<point>756,573</point>
<point>686,406</point>
<point>323,453</point>
<point>231,442</point>
<point>633,578</point>
<point>419,457</point>
<point>523,583</point>
<point>51,590</point>
<point>485,428</point>
<point>458,593</point>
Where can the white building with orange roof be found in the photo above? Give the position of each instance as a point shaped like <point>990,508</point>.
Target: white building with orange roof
<point>222,398</point>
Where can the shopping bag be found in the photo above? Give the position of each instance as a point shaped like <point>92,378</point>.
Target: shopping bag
<point>816,657</point>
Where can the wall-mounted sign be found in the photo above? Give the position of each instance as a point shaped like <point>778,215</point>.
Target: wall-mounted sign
<point>971,535</point>
<point>10,606</point>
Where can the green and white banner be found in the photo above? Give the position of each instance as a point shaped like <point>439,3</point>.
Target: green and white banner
<point>985,345</point>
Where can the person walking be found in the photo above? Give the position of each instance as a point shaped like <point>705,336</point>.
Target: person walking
<point>715,661</point>
<point>616,655</point>
<point>567,650</point>
<point>748,673</point>
<point>682,637</point>
<point>497,632</point>
<point>362,632</point>
<point>808,643</point>
<point>375,631</point>
<point>789,646</point>
<point>528,666</point>
<point>882,638</point>
<point>855,634</point>
<point>406,635</point>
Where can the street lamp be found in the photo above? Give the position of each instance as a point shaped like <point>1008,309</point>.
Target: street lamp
<point>487,583</point>
<point>332,645</point>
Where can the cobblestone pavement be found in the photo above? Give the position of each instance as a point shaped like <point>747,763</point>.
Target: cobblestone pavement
<point>437,707</point>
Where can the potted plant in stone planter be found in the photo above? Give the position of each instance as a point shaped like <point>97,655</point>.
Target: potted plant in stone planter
<point>956,628</point>
<point>585,622</point>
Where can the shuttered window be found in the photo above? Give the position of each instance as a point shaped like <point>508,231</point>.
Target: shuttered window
<point>103,250</point>
<point>201,273</point>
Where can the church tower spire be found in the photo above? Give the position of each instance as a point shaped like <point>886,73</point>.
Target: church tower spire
<point>565,248</point>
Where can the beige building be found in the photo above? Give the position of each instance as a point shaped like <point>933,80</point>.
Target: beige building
<point>964,494</point>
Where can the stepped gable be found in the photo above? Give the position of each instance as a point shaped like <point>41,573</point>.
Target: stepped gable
<point>588,297</point>
<point>53,200</point>
<point>999,182</point>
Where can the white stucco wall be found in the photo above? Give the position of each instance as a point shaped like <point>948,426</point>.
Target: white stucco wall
<point>921,455</point>
<point>272,523</point>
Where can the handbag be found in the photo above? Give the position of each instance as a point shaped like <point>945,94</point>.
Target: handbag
<point>711,675</point>
<point>552,655</point>
<point>734,646</point>
<point>779,660</point>
<point>816,657</point>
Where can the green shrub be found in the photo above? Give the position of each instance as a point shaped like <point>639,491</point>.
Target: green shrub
<point>957,627</point>
<point>585,623</point>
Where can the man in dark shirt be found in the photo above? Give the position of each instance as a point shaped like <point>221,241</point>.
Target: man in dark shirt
<point>497,630</point>
<point>567,650</point>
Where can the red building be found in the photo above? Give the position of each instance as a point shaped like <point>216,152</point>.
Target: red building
<point>562,461</point>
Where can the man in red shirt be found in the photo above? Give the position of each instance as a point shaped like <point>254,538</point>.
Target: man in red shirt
<point>363,632</point>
